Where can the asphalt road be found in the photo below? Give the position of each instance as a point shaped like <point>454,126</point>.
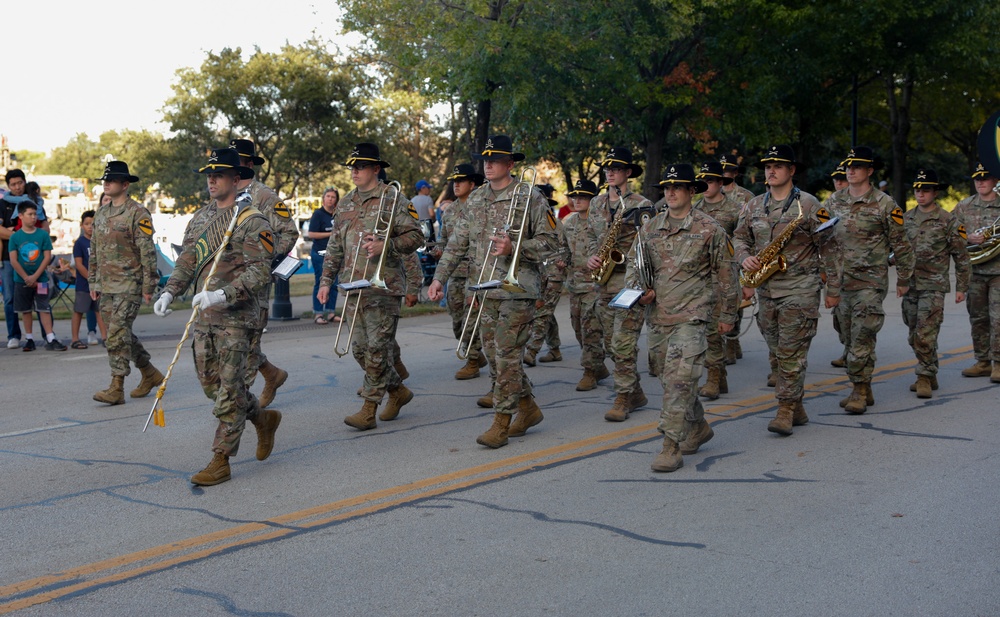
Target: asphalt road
<point>891,513</point>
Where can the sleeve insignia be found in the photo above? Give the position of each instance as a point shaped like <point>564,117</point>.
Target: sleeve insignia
<point>822,215</point>
<point>961,231</point>
<point>412,211</point>
<point>729,247</point>
<point>146,227</point>
<point>897,215</point>
<point>552,218</point>
<point>282,210</point>
<point>267,241</point>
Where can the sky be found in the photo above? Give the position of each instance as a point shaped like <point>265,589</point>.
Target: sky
<point>89,66</point>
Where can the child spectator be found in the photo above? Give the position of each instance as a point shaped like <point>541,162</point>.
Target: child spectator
<point>30,253</point>
<point>84,304</point>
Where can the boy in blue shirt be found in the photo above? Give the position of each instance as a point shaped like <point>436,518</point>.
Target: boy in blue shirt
<point>30,253</point>
<point>84,304</point>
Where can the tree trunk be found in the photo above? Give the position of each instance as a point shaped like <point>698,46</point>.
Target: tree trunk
<point>899,130</point>
<point>483,110</point>
<point>654,162</point>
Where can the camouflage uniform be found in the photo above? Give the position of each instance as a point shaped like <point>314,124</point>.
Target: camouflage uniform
<point>870,227</point>
<point>456,297</point>
<point>983,302</point>
<point>789,301</point>
<point>583,294</point>
<point>685,258</point>
<point>123,269</point>
<point>738,194</point>
<point>621,326</point>
<point>726,213</point>
<point>223,334</point>
<point>378,309</point>
<point>935,238</point>
<point>506,315</point>
<point>544,327</point>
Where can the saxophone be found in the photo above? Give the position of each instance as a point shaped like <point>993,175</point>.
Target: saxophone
<point>609,255</point>
<point>770,257</point>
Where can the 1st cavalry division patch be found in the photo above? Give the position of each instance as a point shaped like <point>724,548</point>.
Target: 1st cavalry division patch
<point>552,219</point>
<point>267,241</point>
<point>146,227</point>
<point>897,215</point>
<point>282,210</point>
<point>822,215</point>
<point>961,232</point>
<point>412,211</point>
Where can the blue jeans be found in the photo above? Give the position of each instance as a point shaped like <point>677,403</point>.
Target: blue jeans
<point>331,302</point>
<point>91,321</point>
<point>13,323</point>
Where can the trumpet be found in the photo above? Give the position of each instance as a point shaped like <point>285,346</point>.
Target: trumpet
<point>382,228</point>
<point>485,282</point>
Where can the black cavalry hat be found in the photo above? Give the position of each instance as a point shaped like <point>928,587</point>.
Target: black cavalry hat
<point>928,179</point>
<point>781,153</point>
<point>682,173</point>
<point>840,173</point>
<point>730,160</point>
<point>222,159</point>
<point>621,157</point>
<point>712,170</point>
<point>466,171</point>
<point>583,188</point>
<point>981,172</point>
<point>862,156</point>
<point>247,150</point>
<point>117,170</point>
<point>365,153</point>
<point>497,147</point>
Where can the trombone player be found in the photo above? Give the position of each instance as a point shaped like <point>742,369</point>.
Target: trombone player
<point>509,229</point>
<point>374,229</point>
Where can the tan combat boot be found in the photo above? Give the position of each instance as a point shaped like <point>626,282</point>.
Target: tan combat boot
<point>723,380</point>
<point>365,419</point>
<point>151,378</point>
<point>711,388</point>
<point>114,394</point>
<point>529,358</point>
<point>587,382</point>
<point>857,402</point>
<point>397,398</point>
<point>496,436</point>
<point>728,351</point>
<point>217,472</point>
<point>266,423</point>
<point>602,373</point>
<point>923,386</point>
<point>482,360</point>
<point>637,400</point>
<point>274,378</point>
<point>933,380</point>
<point>982,368</point>
<point>528,415</point>
<point>799,416</point>
<point>700,434</point>
<point>782,422</point>
<point>486,400</point>
<point>469,371</point>
<point>554,355</point>
<point>840,362</point>
<point>669,459</point>
<point>619,410</point>
<point>401,370</point>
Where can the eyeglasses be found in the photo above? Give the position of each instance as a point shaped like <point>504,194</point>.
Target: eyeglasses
<point>360,166</point>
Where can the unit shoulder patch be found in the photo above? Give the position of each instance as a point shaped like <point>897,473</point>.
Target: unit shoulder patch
<point>146,226</point>
<point>897,215</point>
<point>282,210</point>
<point>267,241</point>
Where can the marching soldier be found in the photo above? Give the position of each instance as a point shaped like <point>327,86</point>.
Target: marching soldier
<point>732,169</point>
<point>357,217</point>
<point>229,304</point>
<point>122,276</point>
<point>936,237</point>
<point>784,222</point>
<point>690,264</point>
<point>871,226</point>
<point>581,287</point>
<point>977,213</point>
<point>286,233</point>
<point>506,311</point>
<point>544,328</point>
<point>613,221</point>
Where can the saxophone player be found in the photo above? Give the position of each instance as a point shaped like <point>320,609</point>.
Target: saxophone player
<point>783,223</point>
<point>612,223</point>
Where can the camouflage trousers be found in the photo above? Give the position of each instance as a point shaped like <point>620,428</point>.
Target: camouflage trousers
<point>715,356</point>
<point>680,351</point>
<point>220,358</point>
<point>983,304</point>
<point>372,345</point>
<point>544,328</point>
<point>119,312</point>
<point>587,327</point>
<point>505,332</point>
<point>923,314</point>
<point>458,309</point>
<point>789,325</point>
<point>257,357</point>
<point>861,319</point>
<point>622,328</point>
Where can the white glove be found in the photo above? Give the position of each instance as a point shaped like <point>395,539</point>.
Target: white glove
<point>208,299</point>
<point>161,306</point>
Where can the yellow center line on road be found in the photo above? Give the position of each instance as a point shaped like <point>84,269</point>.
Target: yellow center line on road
<point>154,559</point>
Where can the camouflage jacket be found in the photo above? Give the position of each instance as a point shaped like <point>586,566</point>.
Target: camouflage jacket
<point>488,212</point>
<point>739,194</point>
<point>974,213</point>
<point>286,233</point>
<point>871,226</point>
<point>414,274</point>
<point>691,263</point>
<point>449,220</point>
<point>244,267</point>
<point>726,212</point>
<point>577,234</point>
<point>806,253</point>
<point>936,239</point>
<point>355,217</point>
<point>550,265</point>
<point>123,256</point>
<point>602,210</point>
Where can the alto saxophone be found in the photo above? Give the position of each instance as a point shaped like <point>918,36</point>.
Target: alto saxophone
<point>609,255</point>
<point>770,257</point>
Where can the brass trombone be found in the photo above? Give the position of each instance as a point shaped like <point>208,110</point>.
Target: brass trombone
<point>485,282</point>
<point>383,227</point>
